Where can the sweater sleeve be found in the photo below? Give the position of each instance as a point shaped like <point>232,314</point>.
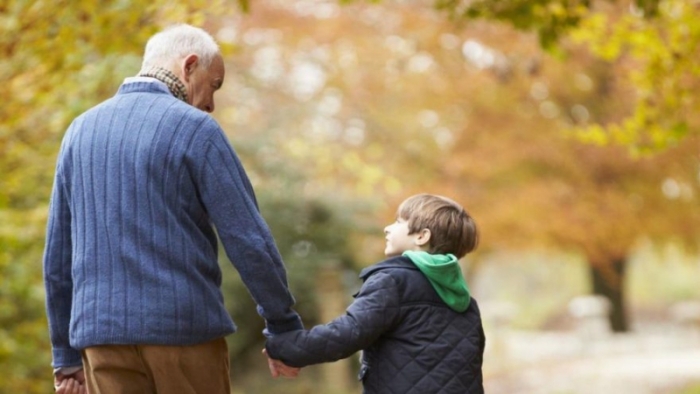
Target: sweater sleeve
<point>374,312</point>
<point>228,196</point>
<point>57,273</point>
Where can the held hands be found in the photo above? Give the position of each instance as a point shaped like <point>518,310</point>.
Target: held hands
<point>278,368</point>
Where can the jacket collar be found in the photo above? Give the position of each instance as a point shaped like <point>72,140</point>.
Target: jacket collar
<point>392,262</point>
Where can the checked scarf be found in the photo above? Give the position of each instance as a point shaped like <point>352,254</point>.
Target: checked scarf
<point>177,88</point>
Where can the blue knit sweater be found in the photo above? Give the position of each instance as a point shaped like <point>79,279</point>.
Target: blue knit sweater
<point>142,180</point>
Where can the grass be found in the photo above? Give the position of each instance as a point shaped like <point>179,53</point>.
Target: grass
<point>692,389</point>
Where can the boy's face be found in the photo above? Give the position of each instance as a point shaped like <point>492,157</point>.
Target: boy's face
<point>398,240</point>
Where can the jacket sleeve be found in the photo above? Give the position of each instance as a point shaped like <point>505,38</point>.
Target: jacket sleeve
<point>374,312</point>
<point>228,196</point>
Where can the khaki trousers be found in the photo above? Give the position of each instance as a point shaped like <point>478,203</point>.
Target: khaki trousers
<point>144,369</point>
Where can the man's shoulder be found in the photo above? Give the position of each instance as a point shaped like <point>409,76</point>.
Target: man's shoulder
<point>136,88</point>
<point>150,97</point>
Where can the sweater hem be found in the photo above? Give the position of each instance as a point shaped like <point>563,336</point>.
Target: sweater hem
<point>155,339</point>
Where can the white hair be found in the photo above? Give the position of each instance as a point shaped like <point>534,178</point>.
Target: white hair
<point>166,48</point>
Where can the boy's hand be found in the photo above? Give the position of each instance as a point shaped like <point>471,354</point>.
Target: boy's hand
<point>278,368</point>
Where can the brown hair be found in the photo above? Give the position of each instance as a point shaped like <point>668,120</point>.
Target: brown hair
<point>452,230</point>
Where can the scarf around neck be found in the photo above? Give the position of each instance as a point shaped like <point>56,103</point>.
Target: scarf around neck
<point>177,88</point>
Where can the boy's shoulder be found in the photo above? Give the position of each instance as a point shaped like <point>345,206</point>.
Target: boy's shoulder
<point>397,262</point>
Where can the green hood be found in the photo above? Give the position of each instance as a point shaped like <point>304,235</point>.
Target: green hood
<point>444,273</point>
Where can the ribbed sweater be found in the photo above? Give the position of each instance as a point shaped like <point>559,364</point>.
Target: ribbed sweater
<point>143,184</point>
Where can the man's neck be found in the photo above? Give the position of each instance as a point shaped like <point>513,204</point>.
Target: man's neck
<point>177,88</point>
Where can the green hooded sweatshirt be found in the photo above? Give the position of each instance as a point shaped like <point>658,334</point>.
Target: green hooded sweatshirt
<point>445,275</point>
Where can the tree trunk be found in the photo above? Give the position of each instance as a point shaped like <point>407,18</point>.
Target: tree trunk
<point>337,376</point>
<point>608,281</point>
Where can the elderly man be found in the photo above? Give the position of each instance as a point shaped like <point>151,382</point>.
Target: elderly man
<point>130,265</point>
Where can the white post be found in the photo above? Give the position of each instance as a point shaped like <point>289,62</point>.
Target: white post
<point>591,313</point>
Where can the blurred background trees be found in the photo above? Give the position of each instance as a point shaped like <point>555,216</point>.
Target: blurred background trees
<point>400,99</point>
<point>561,126</point>
<point>654,43</point>
<point>633,65</point>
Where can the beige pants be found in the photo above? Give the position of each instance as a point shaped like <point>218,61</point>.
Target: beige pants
<point>143,369</point>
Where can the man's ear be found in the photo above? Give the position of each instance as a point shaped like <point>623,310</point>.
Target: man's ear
<point>423,237</point>
<point>189,64</point>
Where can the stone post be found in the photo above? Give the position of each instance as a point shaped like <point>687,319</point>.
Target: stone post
<point>591,314</point>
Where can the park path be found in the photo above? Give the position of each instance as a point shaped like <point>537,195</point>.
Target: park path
<point>537,363</point>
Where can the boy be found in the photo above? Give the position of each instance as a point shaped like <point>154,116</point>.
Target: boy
<point>414,319</point>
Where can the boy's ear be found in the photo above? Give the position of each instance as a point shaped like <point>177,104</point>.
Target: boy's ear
<point>423,237</point>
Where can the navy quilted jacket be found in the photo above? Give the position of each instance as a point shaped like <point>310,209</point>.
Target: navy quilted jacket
<point>412,342</point>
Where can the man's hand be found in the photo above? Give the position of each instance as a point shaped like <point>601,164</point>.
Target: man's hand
<point>278,368</point>
<point>70,384</point>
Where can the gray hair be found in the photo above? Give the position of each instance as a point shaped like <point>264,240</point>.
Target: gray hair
<point>172,44</point>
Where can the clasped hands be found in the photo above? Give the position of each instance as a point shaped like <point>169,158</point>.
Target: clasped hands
<point>278,368</point>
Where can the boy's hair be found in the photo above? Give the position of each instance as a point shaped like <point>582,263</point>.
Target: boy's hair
<point>452,230</point>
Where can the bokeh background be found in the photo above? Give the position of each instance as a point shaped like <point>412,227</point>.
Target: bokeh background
<point>568,129</point>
